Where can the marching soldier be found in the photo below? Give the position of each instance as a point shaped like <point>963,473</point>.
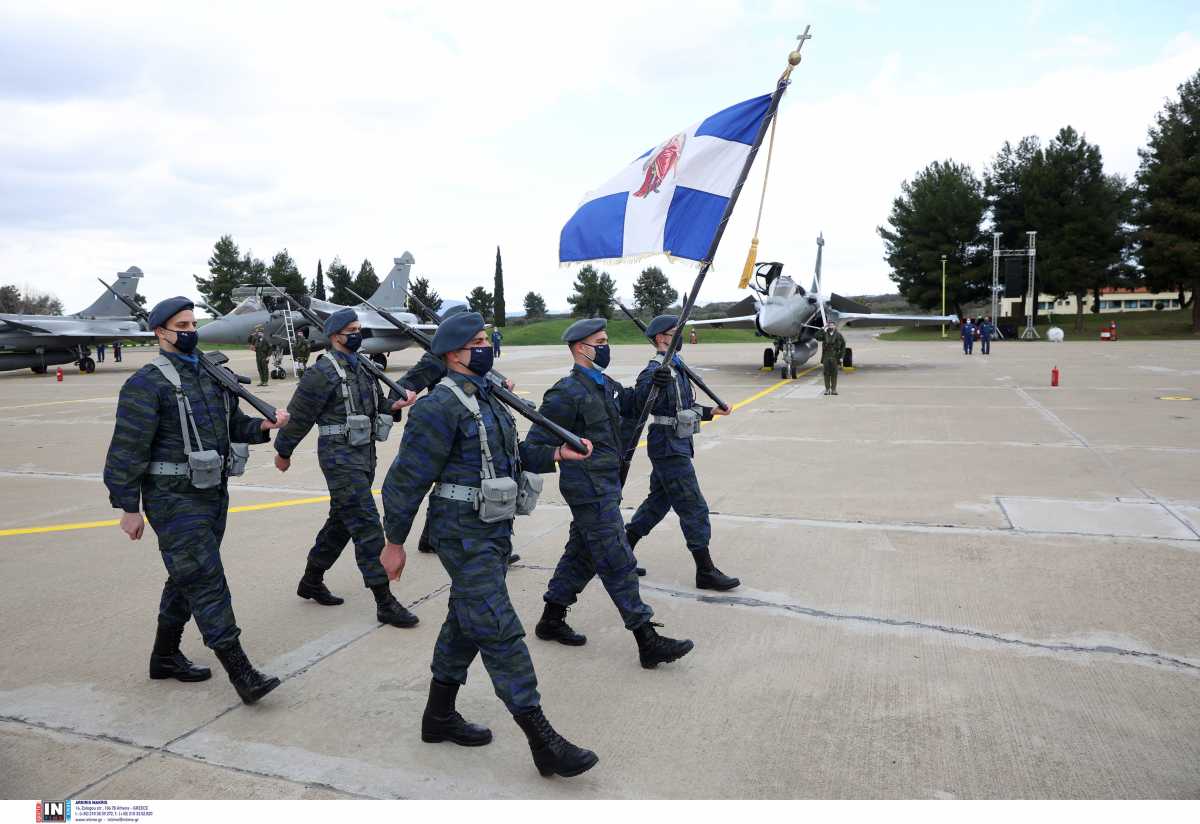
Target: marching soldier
<point>673,482</point>
<point>342,400</point>
<point>171,454</point>
<point>833,347</point>
<point>462,440</point>
<point>593,405</point>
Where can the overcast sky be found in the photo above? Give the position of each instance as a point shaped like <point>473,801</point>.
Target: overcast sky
<point>139,133</point>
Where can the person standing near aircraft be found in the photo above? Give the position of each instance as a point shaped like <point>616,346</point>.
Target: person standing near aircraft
<point>496,338</point>
<point>673,483</point>
<point>462,441</point>
<point>117,351</point>
<point>262,353</point>
<point>593,405</point>
<point>833,349</point>
<point>171,454</point>
<point>968,336</point>
<point>342,400</point>
<point>100,347</point>
<point>986,330</point>
<point>301,350</point>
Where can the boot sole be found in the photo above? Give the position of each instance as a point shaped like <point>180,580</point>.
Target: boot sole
<point>653,664</point>
<point>736,583</point>
<point>566,642</point>
<point>187,679</point>
<point>316,600</point>
<point>254,698</point>
<point>591,762</point>
<point>401,625</point>
<point>430,738</point>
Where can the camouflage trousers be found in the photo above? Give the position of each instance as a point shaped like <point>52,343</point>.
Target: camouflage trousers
<point>597,545</point>
<point>830,368</point>
<point>352,514</point>
<point>674,485</point>
<point>262,361</point>
<point>481,620</point>
<point>189,527</point>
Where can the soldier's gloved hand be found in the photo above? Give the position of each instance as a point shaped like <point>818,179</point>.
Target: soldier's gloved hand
<point>132,524</point>
<point>393,559</point>
<point>662,377</point>
<point>409,399</point>
<point>281,420</point>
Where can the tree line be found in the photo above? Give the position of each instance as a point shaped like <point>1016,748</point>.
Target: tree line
<point>1094,230</point>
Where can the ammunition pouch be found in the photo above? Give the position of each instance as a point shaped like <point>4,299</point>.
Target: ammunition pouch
<point>358,430</point>
<point>687,422</point>
<point>528,492</point>
<point>497,500</point>
<point>383,426</point>
<point>239,456</point>
<point>205,468</point>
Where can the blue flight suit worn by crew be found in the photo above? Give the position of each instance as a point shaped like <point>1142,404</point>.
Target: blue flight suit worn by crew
<point>968,337</point>
<point>986,330</point>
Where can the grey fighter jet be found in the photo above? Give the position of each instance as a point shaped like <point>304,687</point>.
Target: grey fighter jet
<point>779,308</point>
<point>38,342</point>
<point>262,307</point>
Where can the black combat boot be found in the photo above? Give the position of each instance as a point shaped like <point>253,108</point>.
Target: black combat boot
<point>312,586</point>
<point>250,684</point>
<point>442,723</point>
<point>553,626</point>
<point>633,538</point>
<point>708,576</point>
<point>166,661</point>
<point>654,649</point>
<point>390,611</point>
<point>553,754</point>
<point>513,558</point>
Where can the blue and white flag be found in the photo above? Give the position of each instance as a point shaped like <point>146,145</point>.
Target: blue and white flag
<point>670,200</point>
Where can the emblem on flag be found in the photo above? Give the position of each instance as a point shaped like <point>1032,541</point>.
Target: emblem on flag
<point>670,199</point>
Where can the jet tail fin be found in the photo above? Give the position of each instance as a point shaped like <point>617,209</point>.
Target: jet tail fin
<point>394,288</point>
<point>107,305</point>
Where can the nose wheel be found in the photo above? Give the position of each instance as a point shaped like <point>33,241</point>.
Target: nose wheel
<point>787,368</point>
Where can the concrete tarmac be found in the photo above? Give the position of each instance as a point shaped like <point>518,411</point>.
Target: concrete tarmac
<point>958,582</point>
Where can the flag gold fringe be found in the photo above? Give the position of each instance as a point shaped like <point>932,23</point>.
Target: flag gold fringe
<point>748,269</point>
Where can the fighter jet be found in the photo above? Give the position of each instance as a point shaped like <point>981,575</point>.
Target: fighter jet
<point>38,342</point>
<point>262,306</point>
<point>780,308</point>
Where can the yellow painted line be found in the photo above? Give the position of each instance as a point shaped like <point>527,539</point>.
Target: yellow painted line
<point>112,398</point>
<point>1175,398</point>
<point>320,499</point>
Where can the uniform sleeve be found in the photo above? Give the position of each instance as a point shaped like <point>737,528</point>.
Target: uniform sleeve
<point>129,450</point>
<point>424,450</point>
<point>243,428</point>
<point>706,413</point>
<point>632,399</point>
<point>536,457</point>
<point>424,374</point>
<point>558,406</point>
<point>311,396</point>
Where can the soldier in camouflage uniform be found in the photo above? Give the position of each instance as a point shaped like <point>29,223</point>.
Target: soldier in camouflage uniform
<point>833,347</point>
<point>594,406</point>
<point>301,350</point>
<point>673,481</point>
<point>325,398</point>
<point>443,448</point>
<point>147,466</point>
<point>262,353</point>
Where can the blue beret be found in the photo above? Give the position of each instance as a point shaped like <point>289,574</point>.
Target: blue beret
<point>580,329</point>
<point>167,309</point>
<point>456,332</point>
<point>456,309</point>
<point>339,320</point>
<point>661,324</point>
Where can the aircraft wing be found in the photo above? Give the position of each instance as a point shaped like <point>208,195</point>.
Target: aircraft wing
<point>25,327</point>
<point>846,317</point>
<point>737,318</point>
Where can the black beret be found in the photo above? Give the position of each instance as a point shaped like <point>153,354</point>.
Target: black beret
<point>456,332</point>
<point>580,329</point>
<point>167,309</point>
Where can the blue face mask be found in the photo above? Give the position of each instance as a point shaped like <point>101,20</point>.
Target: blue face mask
<point>353,341</point>
<point>186,342</point>
<point>601,355</point>
<point>481,361</point>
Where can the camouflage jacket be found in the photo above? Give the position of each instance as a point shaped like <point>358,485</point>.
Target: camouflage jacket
<point>147,429</point>
<point>602,414</point>
<point>261,344</point>
<point>832,349</point>
<point>318,401</point>
<point>441,445</point>
<point>301,349</point>
<point>661,441</point>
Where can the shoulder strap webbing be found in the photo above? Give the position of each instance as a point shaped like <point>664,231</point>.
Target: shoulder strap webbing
<point>164,365</point>
<point>487,469</point>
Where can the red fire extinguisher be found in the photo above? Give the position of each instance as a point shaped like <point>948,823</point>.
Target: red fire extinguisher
<point>58,374</point>
<point>1054,376</point>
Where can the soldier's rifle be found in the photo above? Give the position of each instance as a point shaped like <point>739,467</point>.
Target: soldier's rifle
<point>683,367</point>
<point>211,362</point>
<point>368,365</point>
<point>510,399</point>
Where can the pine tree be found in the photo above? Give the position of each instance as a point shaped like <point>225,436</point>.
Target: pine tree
<point>422,291</point>
<point>366,283</point>
<point>500,319</point>
<point>480,300</point>
<point>318,288</point>
<point>1168,205</point>
<point>283,273</point>
<point>535,306</point>
<point>652,293</point>
<point>340,280</point>
<point>254,271</point>
<point>939,213</point>
<point>227,273</point>
<point>594,293</point>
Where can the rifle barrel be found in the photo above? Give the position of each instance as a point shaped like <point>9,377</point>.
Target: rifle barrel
<point>687,370</point>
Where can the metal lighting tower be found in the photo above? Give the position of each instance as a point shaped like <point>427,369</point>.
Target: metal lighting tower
<point>1030,253</point>
<point>1030,333</point>
<point>944,293</point>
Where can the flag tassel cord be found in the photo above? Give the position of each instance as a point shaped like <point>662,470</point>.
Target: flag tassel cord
<point>689,303</point>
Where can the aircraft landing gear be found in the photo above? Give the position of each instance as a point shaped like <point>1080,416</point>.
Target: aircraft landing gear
<point>769,358</point>
<point>86,365</point>
<point>788,368</point>
<point>380,360</point>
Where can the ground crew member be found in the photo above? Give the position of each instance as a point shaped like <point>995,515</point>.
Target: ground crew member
<point>968,336</point>
<point>172,415</point>
<point>673,482</point>
<point>342,400</point>
<point>593,406</point>
<point>301,350</point>
<point>100,347</point>
<point>496,338</point>
<point>833,349</point>
<point>117,351</point>
<point>986,330</point>
<point>458,438</point>
<point>262,353</point>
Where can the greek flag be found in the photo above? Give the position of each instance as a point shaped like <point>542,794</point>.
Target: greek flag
<point>670,200</point>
